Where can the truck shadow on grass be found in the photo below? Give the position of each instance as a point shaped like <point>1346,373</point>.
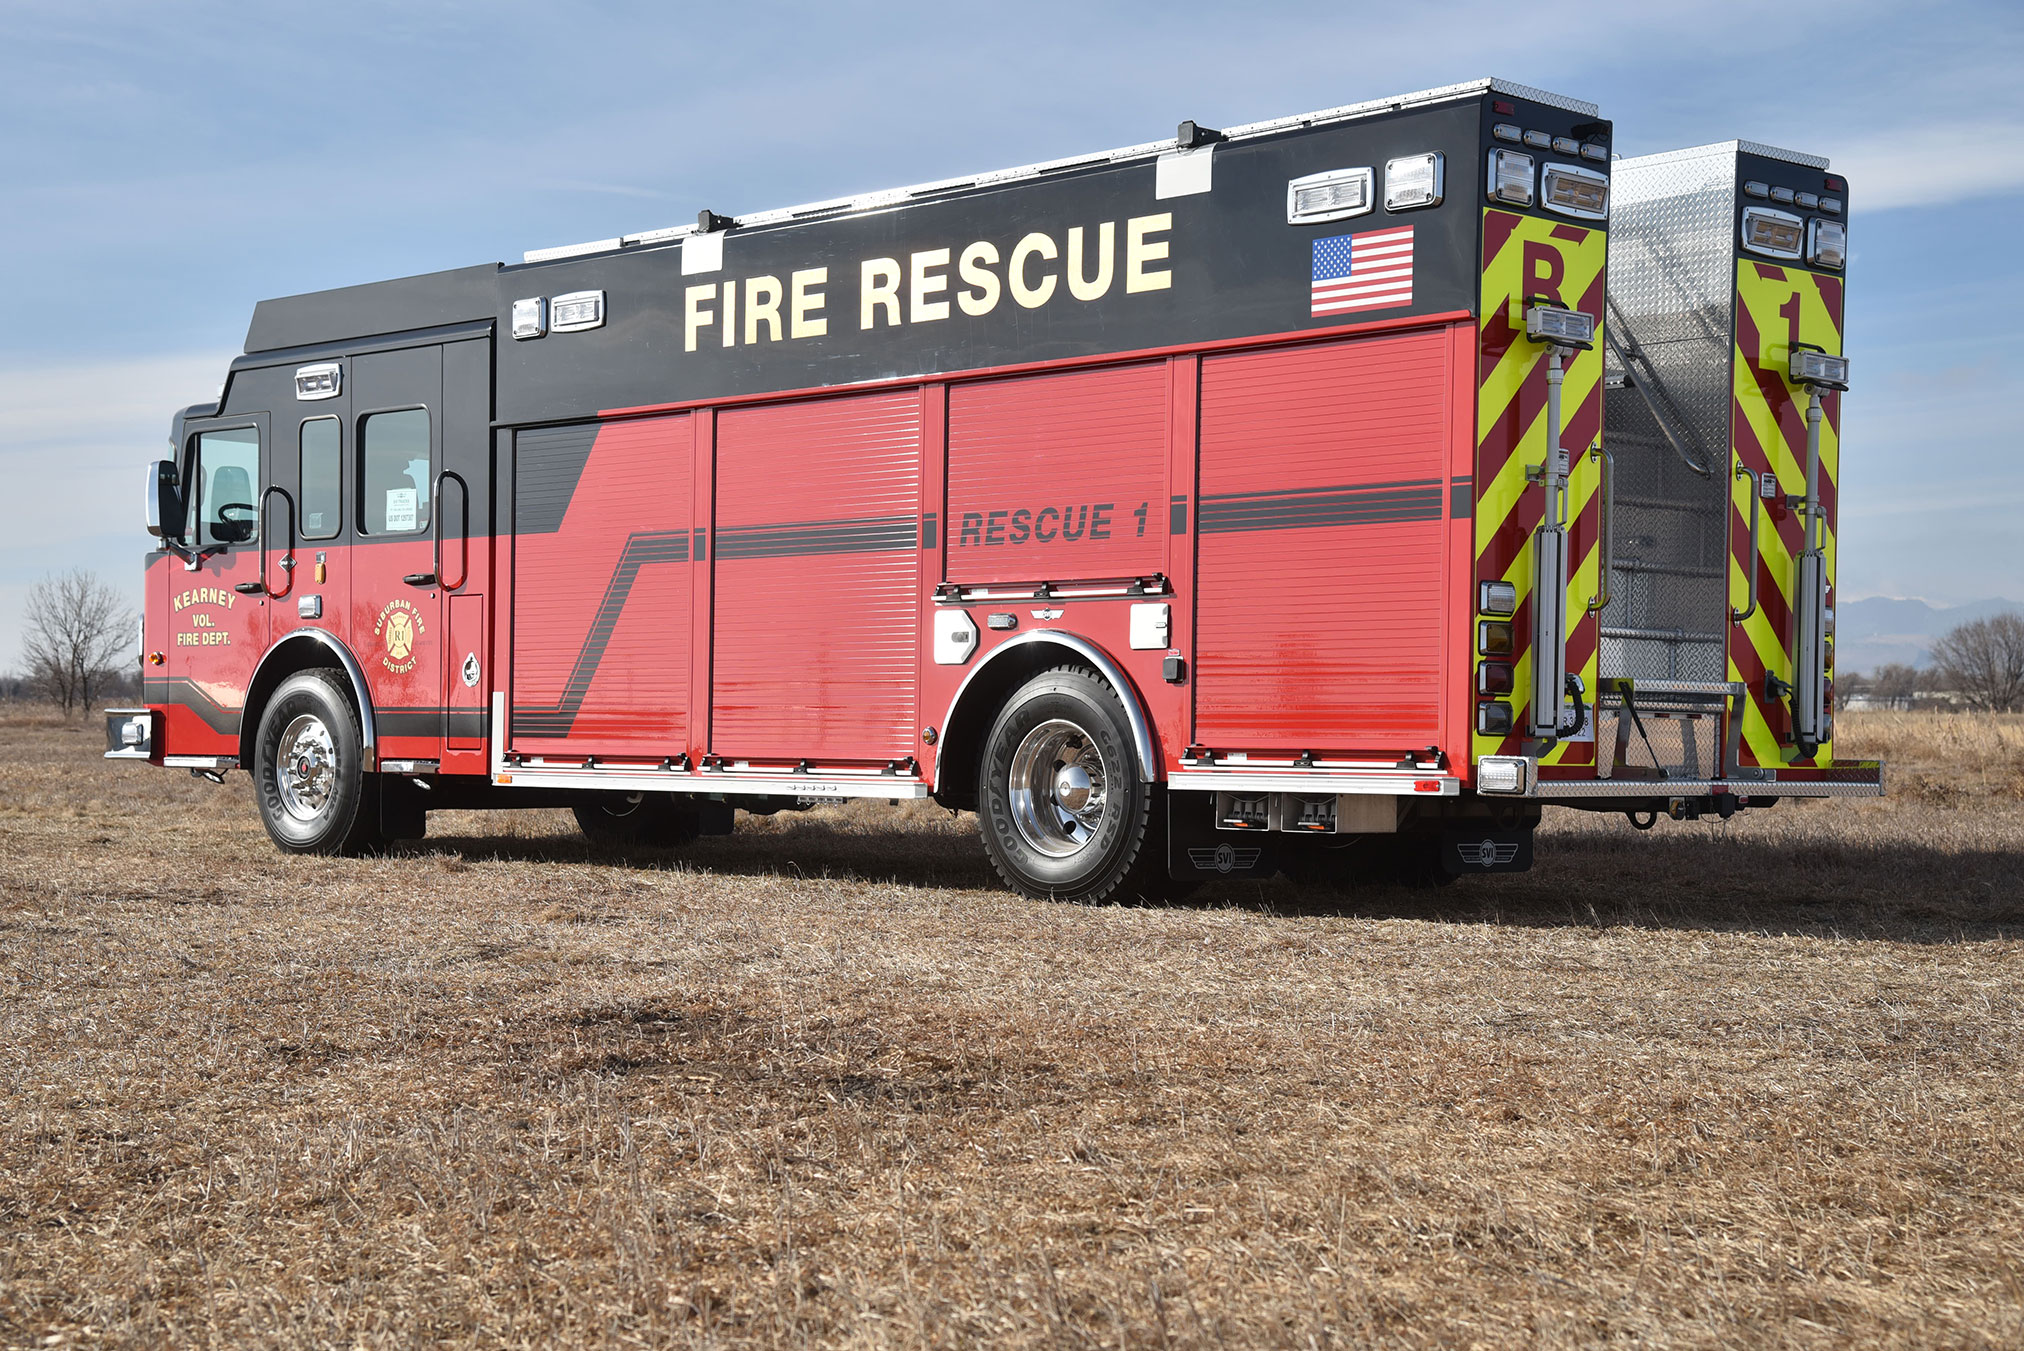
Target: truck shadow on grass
<point>1839,886</point>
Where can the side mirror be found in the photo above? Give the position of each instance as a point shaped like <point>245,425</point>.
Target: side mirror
<point>165,502</point>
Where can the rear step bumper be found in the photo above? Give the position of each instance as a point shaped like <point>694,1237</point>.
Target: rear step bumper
<point>1660,790</point>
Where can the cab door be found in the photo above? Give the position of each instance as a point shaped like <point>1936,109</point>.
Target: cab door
<point>218,610</point>
<point>396,616</point>
<point>311,583</point>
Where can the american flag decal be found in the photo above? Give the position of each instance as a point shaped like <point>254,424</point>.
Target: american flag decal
<point>1363,272</point>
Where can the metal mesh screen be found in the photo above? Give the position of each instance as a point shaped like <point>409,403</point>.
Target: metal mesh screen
<point>1684,745</point>
<point>1671,293</point>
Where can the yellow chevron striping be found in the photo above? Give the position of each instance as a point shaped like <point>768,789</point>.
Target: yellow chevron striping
<point>1530,260</point>
<point>1783,309</point>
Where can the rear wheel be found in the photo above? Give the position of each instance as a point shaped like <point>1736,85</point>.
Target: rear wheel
<point>639,820</point>
<point>309,769</point>
<point>1064,812</point>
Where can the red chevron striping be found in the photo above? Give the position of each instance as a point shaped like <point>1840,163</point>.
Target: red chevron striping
<point>1771,600</point>
<point>1771,384</point>
<point>1498,438</point>
<point>1750,454</point>
<point>1830,296</point>
<point>1505,543</point>
<point>1573,234</point>
<point>1498,335</point>
<point>1497,228</point>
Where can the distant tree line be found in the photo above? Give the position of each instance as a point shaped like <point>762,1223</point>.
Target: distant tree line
<point>1977,665</point>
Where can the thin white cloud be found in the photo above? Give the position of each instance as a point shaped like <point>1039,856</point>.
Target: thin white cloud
<point>74,439</point>
<point>1933,165</point>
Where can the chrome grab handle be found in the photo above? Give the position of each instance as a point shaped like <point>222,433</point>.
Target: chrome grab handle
<point>463,530</point>
<point>1737,616</point>
<point>1607,534</point>
<point>288,558</point>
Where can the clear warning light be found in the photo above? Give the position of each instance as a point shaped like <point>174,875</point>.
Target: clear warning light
<point>1826,243</point>
<point>1511,177</point>
<point>577,311</point>
<point>1413,180</point>
<point>1334,195</point>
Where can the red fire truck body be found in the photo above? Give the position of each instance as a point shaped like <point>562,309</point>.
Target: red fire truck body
<point>1187,510</point>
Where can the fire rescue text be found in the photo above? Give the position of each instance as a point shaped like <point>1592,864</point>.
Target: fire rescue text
<point>918,290</point>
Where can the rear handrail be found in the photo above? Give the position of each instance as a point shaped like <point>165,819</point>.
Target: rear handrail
<point>1737,616</point>
<point>1607,533</point>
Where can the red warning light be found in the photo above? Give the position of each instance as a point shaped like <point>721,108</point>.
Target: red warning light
<point>1503,107</point>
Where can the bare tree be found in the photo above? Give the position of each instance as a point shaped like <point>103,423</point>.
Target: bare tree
<point>1984,660</point>
<point>1895,684</point>
<point>78,630</point>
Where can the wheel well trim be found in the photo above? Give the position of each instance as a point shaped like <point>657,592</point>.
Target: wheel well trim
<point>1141,730</point>
<point>368,732</point>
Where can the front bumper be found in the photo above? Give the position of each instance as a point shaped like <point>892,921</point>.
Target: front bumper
<point>130,733</point>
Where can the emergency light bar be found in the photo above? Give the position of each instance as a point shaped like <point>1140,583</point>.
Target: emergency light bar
<point>1775,234</point>
<point>1334,195</point>
<point>1574,191</point>
<point>1819,370</point>
<point>1562,328</point>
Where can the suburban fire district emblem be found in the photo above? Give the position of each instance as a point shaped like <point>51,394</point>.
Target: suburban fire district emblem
<point>399,627</point>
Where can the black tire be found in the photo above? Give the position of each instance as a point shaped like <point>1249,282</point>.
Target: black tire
<point>1099,837</point>
<point>309,769</point>
<point>639,820</point>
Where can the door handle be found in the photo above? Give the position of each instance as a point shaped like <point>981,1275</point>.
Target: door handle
<point>249,588</point>
<point>420,579</point>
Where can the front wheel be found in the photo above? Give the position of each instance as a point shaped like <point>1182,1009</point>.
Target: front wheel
<point>309,769</point>
<point>1064,812</point>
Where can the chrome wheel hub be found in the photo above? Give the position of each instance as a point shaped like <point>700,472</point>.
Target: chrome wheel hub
<point>1058,788</point>
<point>305,767</point>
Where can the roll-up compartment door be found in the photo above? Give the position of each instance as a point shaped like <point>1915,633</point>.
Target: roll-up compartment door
<point>817,579</point>
<point>1323,521</point>
<point>1059,477</point>
<point>601,589</point>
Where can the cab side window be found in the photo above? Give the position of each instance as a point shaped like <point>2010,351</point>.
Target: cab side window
<point>227,478</point>
<point>394,469</point>
<point>322,479</point>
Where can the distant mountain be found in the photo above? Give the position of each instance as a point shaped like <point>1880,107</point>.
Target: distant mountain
<point>1879,629</point>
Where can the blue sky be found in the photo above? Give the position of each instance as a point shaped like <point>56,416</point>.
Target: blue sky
<point>167,165</point>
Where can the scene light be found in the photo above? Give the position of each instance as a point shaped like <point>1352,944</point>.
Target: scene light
<point>1574,191</point>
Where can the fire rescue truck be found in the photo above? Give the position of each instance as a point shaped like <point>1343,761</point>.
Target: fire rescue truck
<point>1232,503</point>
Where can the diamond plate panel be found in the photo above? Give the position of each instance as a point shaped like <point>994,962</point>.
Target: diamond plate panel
<point>1672,297</point>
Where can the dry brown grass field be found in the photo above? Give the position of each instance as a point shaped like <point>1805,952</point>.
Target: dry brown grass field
<point>821,1082</point>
